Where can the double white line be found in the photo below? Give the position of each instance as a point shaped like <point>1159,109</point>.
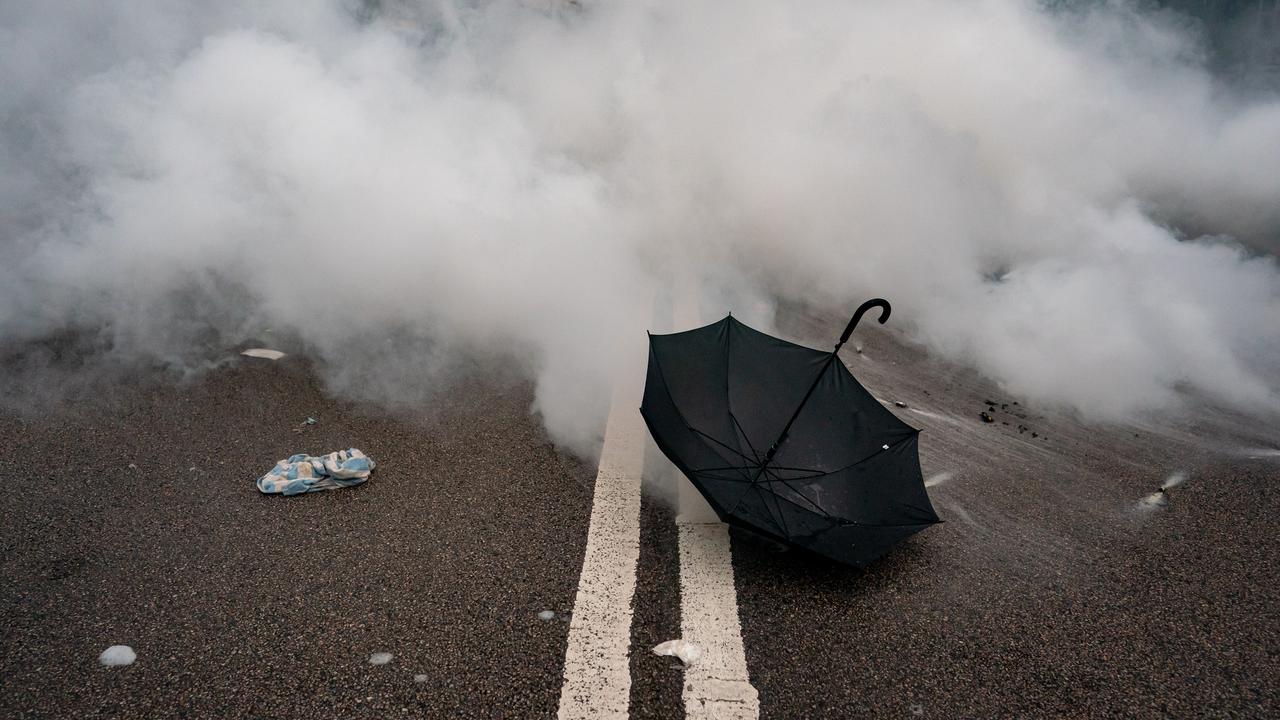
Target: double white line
<point>597,667</point>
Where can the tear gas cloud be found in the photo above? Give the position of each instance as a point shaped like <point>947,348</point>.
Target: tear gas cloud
<point>1067,199</point>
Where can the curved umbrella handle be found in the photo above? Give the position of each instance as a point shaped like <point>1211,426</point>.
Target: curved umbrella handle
<point>862,310</point>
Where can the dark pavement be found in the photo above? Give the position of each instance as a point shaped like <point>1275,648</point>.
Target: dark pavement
<point>133,519</point>
<point>1049,592</point>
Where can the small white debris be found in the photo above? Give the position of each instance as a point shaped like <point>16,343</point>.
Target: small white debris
<point>117,655</point>
<point>132,466</point>
<point>420,678</point>
<point>683,649</point>
<point>265,353</point>
<point>380,658</point>
<point>1154,500</point>
<point>547,615</point>
<point>884,447</point>
<point>937,479</point>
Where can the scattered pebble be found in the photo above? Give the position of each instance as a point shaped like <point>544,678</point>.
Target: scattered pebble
<point>899,403</point>
<point>380,658</point>
<point>117,655</point>
<point>986,417</point>
<point>547,615</point>
<point>421,678</point>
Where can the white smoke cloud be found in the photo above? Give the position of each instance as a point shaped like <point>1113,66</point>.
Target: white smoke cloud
<point>430,182</point>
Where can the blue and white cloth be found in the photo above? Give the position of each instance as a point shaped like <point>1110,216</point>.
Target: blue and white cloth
<point>300,474</point>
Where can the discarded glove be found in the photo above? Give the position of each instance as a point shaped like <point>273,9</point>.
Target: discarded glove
<point>304,473</point>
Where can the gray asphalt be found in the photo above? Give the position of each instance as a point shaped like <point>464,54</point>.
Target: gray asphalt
<point>133,519</point>
<point>1051,591</point>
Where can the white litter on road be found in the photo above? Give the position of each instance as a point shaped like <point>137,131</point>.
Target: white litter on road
<point>264,353</point>
<point>937,479</point>
<point>547,615</point>
<point>117,655</point>
<point>380,658</point>
<point>1153,501</point>
<point>683,649</point>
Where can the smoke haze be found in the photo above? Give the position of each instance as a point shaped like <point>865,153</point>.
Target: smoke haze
<point>1068,199</point>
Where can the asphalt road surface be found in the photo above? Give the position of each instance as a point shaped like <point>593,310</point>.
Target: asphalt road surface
<point>1052,590</point>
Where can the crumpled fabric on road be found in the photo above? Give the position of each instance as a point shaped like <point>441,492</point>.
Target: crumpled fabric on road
<point>300,474</point>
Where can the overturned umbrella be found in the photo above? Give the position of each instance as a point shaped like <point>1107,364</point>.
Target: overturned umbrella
<point>784,442</point>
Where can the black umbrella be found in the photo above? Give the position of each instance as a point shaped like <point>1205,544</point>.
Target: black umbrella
<point>784,442</point>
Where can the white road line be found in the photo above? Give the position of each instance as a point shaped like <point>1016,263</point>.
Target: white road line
<point>597,667</point>
<point>717,685</point>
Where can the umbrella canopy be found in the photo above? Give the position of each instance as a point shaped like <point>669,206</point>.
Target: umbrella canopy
<point>783,441</point>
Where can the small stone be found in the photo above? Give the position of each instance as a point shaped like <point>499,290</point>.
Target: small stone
<point>986,417</point>
<point>420,678</point>
<point>899,403</point>
<point>117,655</point>
<point>547,615</point>
<point>380,658</point>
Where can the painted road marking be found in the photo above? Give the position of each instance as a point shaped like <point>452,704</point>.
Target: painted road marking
<point>717,685</point>
<point>597,667</point>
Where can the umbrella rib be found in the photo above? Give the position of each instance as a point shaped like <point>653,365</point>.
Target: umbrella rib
<point>816,473</point>
<point>856,463</point>
<point>706,472</point>
<point>718,442</point>
<point>781,517</point>
<point>804,497</point>
<point>667,389</point>
<point>755,453</point>
<point>728,398</point>
<point>779,521</point>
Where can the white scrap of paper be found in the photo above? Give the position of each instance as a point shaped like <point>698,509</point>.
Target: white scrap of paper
<point>266,353</point>
<point>683,649</point>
